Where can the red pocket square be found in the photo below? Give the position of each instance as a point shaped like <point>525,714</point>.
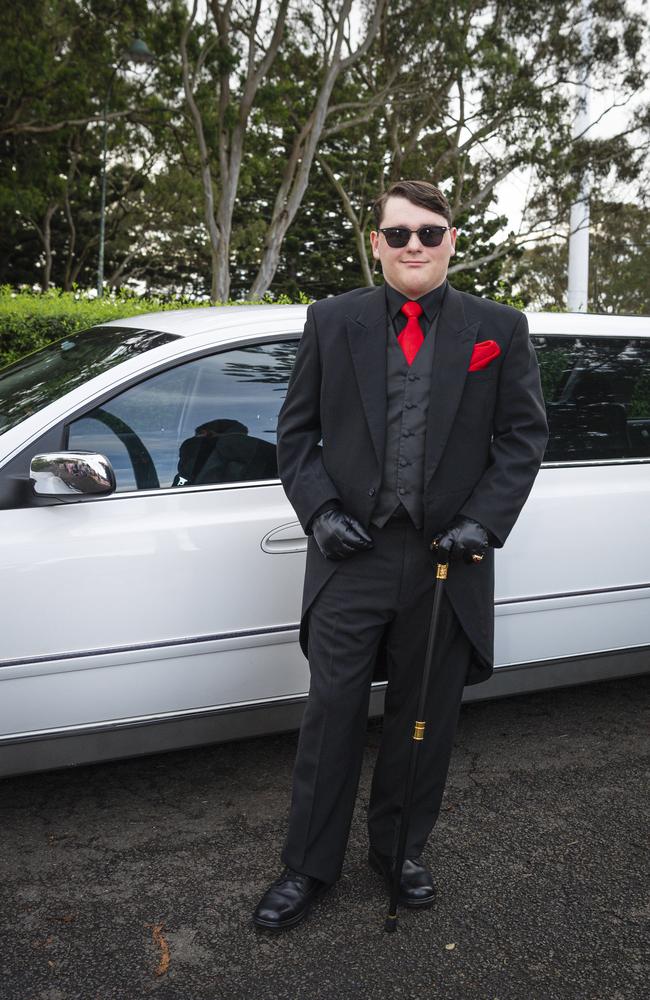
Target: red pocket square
<point>482,354</point>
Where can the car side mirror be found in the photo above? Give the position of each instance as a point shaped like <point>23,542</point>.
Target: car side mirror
<point>71,473</point>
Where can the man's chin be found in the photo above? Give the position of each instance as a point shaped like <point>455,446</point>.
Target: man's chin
<point>414,282</point>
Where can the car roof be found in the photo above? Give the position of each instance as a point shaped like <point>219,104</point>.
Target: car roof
<point>212,319</point>
<point>226,319</point>
<point>588,324</point>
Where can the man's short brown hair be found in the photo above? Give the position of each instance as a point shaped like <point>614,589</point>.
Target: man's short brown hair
<point>419,193</point>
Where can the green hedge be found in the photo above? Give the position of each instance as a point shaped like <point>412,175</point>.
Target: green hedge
<point>29,320</point>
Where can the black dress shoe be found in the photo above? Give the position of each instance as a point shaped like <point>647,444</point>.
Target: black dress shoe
<point>416,888</point>
<point>287,901</point>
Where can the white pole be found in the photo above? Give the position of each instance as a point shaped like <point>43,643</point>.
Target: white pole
<point>577,293</point>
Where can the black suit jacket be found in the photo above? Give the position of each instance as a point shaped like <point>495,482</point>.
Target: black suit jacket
<point>486,434</point>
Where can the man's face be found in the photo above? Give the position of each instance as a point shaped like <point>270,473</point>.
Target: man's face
<point>414,269</point>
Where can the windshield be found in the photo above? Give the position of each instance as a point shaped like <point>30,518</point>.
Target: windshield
<point>31,383</point>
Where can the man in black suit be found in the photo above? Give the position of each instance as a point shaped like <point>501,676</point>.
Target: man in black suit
<point>414,414</point>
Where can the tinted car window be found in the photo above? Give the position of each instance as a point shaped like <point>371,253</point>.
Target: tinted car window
<point>44,376</point>
<point>212,420</point>
<point>597,393</point>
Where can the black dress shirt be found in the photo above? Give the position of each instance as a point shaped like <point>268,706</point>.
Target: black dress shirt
<point>431,303</point>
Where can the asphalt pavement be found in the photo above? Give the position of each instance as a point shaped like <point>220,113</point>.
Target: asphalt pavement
<point>136,879</point>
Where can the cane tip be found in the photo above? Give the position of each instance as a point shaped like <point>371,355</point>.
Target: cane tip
<point>390,926</point>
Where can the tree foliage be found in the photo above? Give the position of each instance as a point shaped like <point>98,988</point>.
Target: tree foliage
<point>619,264</point>
<point>247,158</point>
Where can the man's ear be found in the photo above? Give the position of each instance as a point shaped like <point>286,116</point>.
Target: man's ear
<point>453,232</point>
<point>374,243</point>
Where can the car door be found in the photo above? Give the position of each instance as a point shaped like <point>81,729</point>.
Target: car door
<point>179,592</point>
<point>572,581</point>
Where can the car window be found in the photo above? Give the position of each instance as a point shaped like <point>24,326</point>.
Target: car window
<point>209,421</point>
<point>597,393</point>
<point>44,376</point>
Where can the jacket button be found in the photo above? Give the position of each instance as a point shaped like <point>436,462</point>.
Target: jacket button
<point>371,491</point>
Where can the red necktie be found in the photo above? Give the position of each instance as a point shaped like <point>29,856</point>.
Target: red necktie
<point>411,338</point>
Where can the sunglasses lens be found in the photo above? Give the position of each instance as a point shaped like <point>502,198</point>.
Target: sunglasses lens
<point>431,236</point>
<point>397,236</point>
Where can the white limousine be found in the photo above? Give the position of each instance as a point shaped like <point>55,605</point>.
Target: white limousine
<point>151,565</point>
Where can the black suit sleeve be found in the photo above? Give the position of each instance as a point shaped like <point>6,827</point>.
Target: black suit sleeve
<point>300,461</point>
<point>520,433</point>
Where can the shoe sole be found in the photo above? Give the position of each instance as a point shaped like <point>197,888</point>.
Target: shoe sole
<point>271,925</point>
<point>411,904</point>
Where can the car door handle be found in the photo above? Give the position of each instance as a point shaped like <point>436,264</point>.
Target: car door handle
<point>286,538</point>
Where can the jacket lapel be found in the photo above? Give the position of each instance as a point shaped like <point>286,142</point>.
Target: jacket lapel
<point>453,350</point>
<point>366,332</point>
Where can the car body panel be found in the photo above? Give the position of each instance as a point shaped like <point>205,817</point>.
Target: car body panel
<point>176,611</point>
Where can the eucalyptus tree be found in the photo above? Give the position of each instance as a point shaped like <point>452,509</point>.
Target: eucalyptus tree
<point>60,58</point>
<point>479,91</point>
<point>619,264</point>
<point>228,50</point>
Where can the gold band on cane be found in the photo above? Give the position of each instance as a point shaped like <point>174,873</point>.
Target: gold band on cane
<point>441,571</point>
<point>418,732</point>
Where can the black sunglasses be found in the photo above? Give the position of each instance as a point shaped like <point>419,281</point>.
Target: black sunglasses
<point>429,236</point>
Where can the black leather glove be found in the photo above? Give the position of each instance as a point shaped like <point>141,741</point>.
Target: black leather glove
<point>464,539</point>
<point>338,535</point>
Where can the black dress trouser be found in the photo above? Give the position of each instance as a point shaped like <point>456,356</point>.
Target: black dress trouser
<point>386,591</point>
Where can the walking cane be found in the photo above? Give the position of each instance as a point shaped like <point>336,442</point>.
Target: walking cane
<point>418,735</point>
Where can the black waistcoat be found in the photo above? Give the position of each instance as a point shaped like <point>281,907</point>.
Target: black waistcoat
<point>407,392</point>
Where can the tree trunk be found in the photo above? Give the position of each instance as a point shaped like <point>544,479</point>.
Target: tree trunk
<point>216,249</point>
<point>296,173</point>
<point>359,233</point>
<point>218,218</point>
<point>72,233</point>
<point>47,246</point>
